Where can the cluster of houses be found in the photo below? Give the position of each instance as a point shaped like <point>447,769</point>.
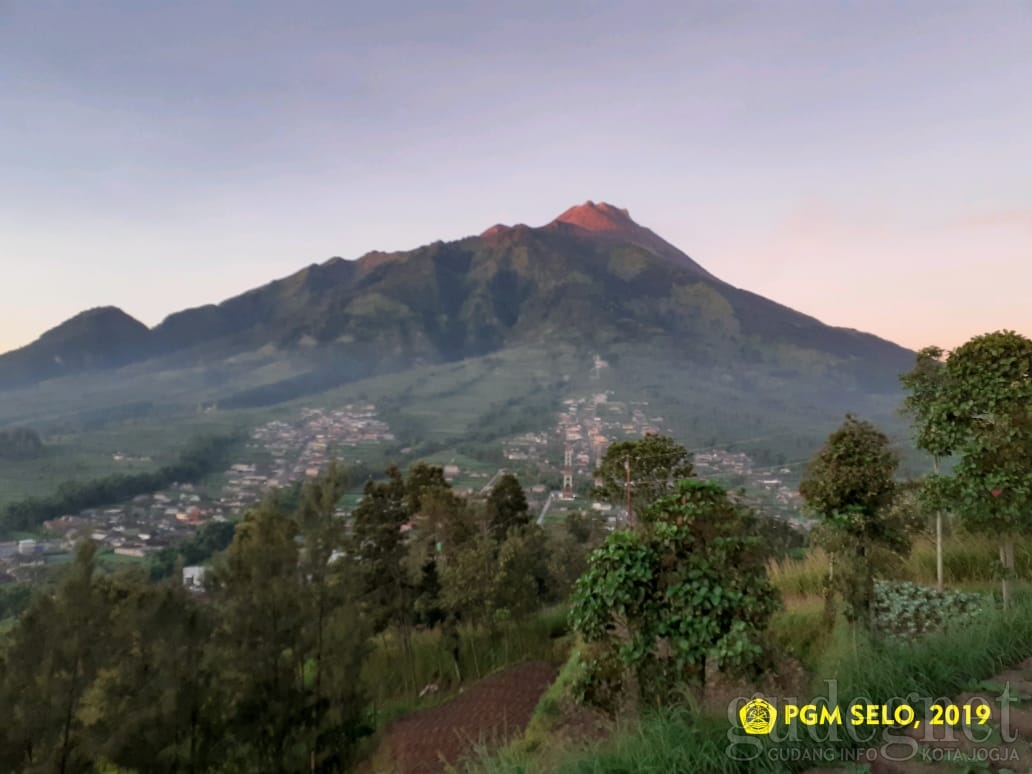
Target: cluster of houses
<point>146,523</point>
<point>18,558</point>
<point>764,484</point>
<point>303,449</point>
<point>587,424</point>
<point>153,521</point>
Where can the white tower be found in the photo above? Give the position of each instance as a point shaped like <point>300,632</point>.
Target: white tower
<point>568,473</point>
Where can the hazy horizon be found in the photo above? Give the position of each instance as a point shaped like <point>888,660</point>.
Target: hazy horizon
<point>869,164</point>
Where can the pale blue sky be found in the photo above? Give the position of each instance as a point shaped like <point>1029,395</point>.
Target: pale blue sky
<point>869,163</point>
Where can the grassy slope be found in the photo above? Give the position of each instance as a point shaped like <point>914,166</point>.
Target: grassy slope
<point>444,403</point>
<point>440,409</point>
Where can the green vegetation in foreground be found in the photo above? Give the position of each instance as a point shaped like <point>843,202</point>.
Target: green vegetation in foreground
<point>423,580</point>
<point>677,739</point>
<point>970,561</point>
<point>397,678</point>
<point>671,740</point>
<point>312,633</point>
<point>209,540</point>
<point>14,598</point>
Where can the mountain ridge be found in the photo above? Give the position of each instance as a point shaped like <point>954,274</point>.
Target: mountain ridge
<point>592,276</point>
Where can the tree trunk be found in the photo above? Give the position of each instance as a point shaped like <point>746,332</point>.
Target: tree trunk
<point>69,716</point>
<point>938,550</point>
<point>938,536</point>
<point>473,649</point>
<point>1007,560</point>
<point>871,621</point>
<point>410,656</point>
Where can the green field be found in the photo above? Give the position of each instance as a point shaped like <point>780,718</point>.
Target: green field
<point>89,454</point>
<point>455,412</point>
<point>113,560</point>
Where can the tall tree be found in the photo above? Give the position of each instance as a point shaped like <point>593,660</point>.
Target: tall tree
<point>440,513</point>
<point>522,577</point>
<point>149,706</point>
<point>334,635</point>
<point>987,417</point>
<point>850,485</point>
<point>55,652</point>
<point>927,404</point>
<point>422,480</point>
<point>569,548</point>
<point>649,468</point>
<point>290,642</point>
<point>507,507</point>
<point>379,552</point>
<point>255,645</point>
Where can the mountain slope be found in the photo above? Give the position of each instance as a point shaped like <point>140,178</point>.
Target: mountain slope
<point>592,278</point>
<point>100,338</point>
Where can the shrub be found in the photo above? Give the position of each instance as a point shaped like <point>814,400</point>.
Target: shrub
<point>906,609</point>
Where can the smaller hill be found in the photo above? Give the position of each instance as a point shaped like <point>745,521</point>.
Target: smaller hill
<point>104,337</point>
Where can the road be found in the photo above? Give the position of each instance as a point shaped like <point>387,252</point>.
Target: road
<point>490,484</point>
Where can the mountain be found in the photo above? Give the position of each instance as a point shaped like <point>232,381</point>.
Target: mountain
<point>100,338</point>
<point>590,281</point>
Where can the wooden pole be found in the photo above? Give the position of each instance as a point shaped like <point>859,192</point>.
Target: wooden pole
<point>627,487</point>
<point>938,535</point>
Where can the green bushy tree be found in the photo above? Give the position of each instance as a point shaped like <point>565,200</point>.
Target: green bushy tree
<point>850,484</point>
<point>656,464</point>
<point>688,585</point>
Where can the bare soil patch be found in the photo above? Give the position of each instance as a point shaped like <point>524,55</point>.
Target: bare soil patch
<point>489,712</point>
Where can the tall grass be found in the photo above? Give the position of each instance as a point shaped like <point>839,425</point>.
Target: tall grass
<point>800,577</point>
<point>939,664</point>
<point>967,559</point>
<point>397,673</point>
<point>799,631</point>
<point>667,741</point>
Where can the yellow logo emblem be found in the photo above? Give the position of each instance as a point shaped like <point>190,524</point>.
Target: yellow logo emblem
<point>758,716</point>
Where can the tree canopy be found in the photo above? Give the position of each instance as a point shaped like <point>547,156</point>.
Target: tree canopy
<point>20,443</point>
<point>851,484</point>
<point>507,507</point>
<point>657,465</point>
<point>984,411</point>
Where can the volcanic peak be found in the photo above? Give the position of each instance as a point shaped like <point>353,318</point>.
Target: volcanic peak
<point>598,217</point>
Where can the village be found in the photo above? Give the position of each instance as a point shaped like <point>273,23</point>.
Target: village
<point>557,469</point>
<point>279,453</point>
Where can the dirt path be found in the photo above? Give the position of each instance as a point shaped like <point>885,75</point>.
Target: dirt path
<point>490,711</point>
<point>1002,744</point>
